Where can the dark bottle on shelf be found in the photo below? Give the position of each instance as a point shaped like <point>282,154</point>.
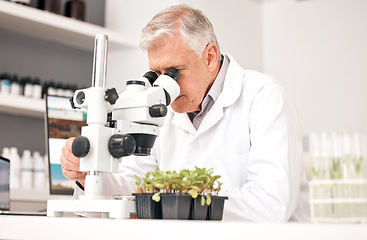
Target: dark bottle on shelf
<point>49,5</point>
<point>75,9</point>
<point>22,2</point>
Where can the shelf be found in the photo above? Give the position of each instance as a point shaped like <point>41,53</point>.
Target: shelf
<point>56,28</point>
<point>339,201</point>
<point>34,195</point>
<point>355,181</point>
<point>22,106</point>
<point>29,195</point>
<point>340,220</point>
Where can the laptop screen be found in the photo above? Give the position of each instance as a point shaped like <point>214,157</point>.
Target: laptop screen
<point>4,184</point>
<point>62,123</point>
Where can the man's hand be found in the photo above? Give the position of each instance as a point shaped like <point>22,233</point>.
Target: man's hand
<point>70,164</point>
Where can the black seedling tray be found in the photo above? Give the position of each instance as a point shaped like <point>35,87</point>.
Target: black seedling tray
<point>146,207</point>
<point>175,205</point>
<point>178,206</point>
<point>215,209</point>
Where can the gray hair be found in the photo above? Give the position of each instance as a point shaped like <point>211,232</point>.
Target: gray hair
<point>194,27</point>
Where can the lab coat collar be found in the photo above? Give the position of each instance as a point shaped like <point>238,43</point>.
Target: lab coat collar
<point>231,91</point>
<point>232,84</point>
<point>182,121</point>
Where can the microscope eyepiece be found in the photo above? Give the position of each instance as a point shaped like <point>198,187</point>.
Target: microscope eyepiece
<point>168,81</point>
<point>136,82</point>
<point>151,76</point>
<point>173,73</point>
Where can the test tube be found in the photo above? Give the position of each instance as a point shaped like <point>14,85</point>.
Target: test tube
<point>357,190</point>
<point>314,148</point>
<point>319,152</point>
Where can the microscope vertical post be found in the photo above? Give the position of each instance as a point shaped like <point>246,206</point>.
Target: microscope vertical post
<point>100,61</point>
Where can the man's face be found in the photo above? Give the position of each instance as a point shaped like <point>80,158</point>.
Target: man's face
<point>195,78</point>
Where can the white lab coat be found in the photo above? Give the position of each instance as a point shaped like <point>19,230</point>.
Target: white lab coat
<point>250,137</point>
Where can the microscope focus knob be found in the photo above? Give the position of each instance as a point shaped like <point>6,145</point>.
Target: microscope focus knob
<point>111,96</point>
<point>121,145</point>
<point>158,110</point>
<point>80,146</point>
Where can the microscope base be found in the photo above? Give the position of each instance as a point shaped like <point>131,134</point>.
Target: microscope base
<point>108,208</point>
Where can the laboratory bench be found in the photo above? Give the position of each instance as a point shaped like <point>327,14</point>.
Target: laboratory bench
<point>37,227</point>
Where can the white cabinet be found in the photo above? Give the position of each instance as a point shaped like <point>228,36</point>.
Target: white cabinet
<point>45,26</point>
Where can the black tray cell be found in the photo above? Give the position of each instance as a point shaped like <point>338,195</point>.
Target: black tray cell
<point>146,207</point>
<point>197,211</point>
<point>175,205</point>
<point>215,210</point>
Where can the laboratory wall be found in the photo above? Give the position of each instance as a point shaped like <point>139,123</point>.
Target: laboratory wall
<point>318,50</point>
<point>237,23</point>
<point>315,48</point>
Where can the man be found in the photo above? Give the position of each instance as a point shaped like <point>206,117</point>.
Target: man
<point>239,122</point>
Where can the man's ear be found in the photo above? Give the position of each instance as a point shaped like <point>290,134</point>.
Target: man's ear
<point>212,56</point>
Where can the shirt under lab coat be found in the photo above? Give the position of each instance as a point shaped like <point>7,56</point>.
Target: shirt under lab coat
<point>250,136</point>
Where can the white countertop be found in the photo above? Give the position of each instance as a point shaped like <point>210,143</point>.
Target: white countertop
<point>25,227</point>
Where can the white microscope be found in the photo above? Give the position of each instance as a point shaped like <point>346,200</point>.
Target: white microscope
<point>118,125</point>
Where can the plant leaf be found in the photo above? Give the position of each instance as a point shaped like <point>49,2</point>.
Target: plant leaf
<point>193,193</point>
<point>202,200</point>
<point>156,197</point>
<point>208,200</point>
